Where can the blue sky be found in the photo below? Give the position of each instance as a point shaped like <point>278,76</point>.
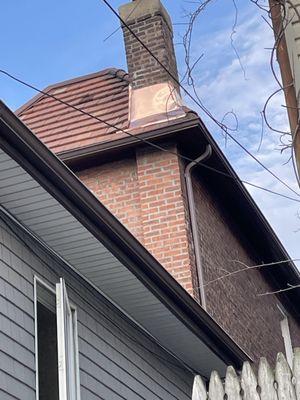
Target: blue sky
<point>45,42</point>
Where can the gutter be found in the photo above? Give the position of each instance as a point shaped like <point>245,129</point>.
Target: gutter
<point>26,149</point>
<point>193,219</point>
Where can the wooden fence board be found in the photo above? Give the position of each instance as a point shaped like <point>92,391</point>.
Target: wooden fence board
<point>199,389</point>
<point>266,381</point>
<point>283,377</point>
<point>232,385</point>
<point>249,383</point>
<point>279,384</point>
<point>216,389</point>
<point>296,372</point>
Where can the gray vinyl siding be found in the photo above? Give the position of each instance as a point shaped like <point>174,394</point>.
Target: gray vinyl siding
<point>117,361</point>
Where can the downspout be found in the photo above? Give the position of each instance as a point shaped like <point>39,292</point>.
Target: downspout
<point>193,219</point>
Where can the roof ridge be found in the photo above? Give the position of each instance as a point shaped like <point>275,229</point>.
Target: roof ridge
<point>119,73</point>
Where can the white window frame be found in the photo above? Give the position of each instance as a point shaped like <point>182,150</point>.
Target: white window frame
<point>285,332</point>
<point>67,341</point>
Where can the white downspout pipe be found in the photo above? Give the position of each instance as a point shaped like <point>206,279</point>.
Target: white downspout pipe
<point>193,219</point>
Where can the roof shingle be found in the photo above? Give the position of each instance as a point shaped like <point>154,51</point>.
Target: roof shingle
<point>61,128</point>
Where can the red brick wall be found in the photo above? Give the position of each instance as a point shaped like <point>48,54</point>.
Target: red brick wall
<point>164,215</point>
<point>147,194</point>
<point>116,186</point>
<point>253,321</point>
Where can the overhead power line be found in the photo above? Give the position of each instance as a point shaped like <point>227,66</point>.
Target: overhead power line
<point>145,141</point>
<point>196,101</point>
<point>118,28</point>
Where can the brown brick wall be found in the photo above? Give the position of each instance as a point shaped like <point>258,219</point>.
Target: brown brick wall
<point>253,321</point>
<point>155,33</point>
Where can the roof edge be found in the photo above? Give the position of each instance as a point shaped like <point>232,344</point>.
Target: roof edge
<point>167,131</point>
<point>23,146</point>
<point>136,137</point>
<point>247,195</point>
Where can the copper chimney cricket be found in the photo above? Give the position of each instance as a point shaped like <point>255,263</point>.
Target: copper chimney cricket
<point>154,95</point>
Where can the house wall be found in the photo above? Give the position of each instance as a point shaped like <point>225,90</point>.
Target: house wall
<point>152,183</point>
<point>253,321</point>
<point>145,193</point>
<point>116,185</point>
<point>117,361</point>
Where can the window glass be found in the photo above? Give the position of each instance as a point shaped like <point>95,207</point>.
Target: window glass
<point>47,353</point>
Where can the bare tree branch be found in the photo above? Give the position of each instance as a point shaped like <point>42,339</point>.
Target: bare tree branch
<point>290,287</point>
<point>189,79</point>
<point>247,268</point>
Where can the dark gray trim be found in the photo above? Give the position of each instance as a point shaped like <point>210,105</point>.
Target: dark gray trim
<point>24,147</point>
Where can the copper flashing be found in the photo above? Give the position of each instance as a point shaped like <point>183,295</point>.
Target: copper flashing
<point>153,104</point>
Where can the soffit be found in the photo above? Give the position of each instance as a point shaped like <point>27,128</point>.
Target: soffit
<point>27,201</point>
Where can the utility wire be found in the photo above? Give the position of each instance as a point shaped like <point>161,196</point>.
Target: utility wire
<point>117,29</point>
<point>197,102</point>
<point>145,141</point>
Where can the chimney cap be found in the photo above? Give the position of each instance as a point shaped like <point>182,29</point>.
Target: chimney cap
<point>143,8</point>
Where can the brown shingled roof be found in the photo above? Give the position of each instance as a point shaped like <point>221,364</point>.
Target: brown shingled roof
<point>61,128</point>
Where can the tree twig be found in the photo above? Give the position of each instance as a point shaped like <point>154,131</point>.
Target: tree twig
<point>290,287</point>
<point>247,268</point>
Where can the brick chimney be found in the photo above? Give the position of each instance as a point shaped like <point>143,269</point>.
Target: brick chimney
<point>154,95</point>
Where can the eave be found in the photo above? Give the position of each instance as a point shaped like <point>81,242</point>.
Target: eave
<point>192,136</point>
<point>76,205</point>
<point>160,131</point>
